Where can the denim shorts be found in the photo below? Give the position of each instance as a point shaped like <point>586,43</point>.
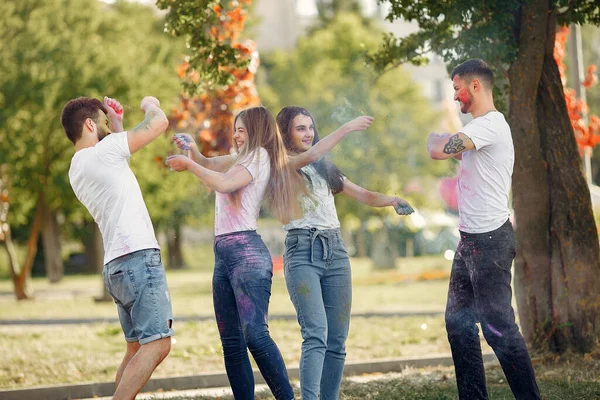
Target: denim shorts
<point>138,285</point>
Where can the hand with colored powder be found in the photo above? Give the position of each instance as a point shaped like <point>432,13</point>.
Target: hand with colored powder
<point>115,114</point>
<point>184,141</point>
<point>402,207</point>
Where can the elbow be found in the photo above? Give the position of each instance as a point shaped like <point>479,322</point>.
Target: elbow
<point>162,123</point>
<point>436,155</point>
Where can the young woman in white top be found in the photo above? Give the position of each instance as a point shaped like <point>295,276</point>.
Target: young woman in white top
<point>316,264</point>
<point>259,169</point>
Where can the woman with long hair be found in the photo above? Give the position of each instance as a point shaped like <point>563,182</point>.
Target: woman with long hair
<point>259,168</point>
<point>316,264</point>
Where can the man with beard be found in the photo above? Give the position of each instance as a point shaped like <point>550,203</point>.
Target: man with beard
<point>480,281</point>
<point>133,272</point>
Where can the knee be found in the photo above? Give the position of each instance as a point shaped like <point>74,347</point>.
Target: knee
<point>257,336</point>
<point>458,324</point>
<point>164,347</point>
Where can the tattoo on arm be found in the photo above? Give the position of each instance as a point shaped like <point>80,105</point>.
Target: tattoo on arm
<point>147,122</point>
<point>454,145</point>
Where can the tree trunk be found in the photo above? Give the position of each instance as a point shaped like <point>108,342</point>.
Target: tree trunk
<point>361,242</point>
<point>384,253</point>
<point>529,184</point>
<point>174,247</point>
<point>557,244</point>
<point>574,251</point>
<point>53,261</point>
<point>96,258</point>
<point>21,279</point>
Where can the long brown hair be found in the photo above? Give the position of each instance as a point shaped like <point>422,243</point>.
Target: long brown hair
<point>328,171</point>
<point>284,185</point>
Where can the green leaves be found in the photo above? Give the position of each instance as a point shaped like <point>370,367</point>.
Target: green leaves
<point>210,29</point>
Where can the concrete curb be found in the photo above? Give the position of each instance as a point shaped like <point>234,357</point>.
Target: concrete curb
<point>274,317</point>
<point>101,389</point>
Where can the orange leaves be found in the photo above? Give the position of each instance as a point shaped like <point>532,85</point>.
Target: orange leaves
<point>590,77</point>
<point>587,134</point>
<point>208,117</point>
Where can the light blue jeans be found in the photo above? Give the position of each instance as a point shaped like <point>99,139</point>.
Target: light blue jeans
<point>318,278</point>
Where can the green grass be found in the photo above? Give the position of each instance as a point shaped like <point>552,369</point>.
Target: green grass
<point>574,378</point>
<point>92,352</point>
<point>400,289</point>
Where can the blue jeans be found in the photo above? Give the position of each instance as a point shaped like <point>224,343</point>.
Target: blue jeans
<point>480,291</point>
<point>241,292</point>
<point>318,278</point>
<point>137,283</point>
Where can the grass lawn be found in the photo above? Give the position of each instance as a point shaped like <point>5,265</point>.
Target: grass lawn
<point>571,378</point>
<point>418,283</point>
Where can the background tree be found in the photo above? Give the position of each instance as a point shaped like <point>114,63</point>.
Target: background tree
<point>53,51</point>
<point>326,74</point>
<point>208,115</point>
<point>558,261</point>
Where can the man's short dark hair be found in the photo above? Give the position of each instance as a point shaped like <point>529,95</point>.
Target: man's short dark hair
<point>474,68</point>
<point>76,111</point>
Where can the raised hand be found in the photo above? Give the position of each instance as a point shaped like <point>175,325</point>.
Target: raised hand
<point>401,206</point>
<point>115,113</point>
<point>184,141</point>
<point>178,162</point>
<point>148,101</point>
<point>359,124</point>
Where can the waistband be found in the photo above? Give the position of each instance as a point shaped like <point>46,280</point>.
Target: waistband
<point>129,256</point>
<point>313,234</point>
<point>507,226</point>
<point>223,235</point>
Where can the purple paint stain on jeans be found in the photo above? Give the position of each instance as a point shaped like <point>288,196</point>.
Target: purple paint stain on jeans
<point>494,331</point>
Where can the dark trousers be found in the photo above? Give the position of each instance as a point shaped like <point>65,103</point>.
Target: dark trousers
<point>241,293</point>
<point>480,291</point>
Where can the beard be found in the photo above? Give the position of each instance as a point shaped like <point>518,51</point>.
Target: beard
<point>466,99</point>
<point>102,134</point>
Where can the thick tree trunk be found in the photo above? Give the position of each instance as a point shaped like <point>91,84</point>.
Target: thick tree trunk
<point>53,261</point>
<point>174,247</point>
<point>530,186</point>
<point>574,251</point>
<point>95,256</point>
<point>557,259</point>
<point>384,253</point>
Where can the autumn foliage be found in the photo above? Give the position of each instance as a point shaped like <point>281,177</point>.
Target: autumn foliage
<point>587,134</point>
<point>208,117</point>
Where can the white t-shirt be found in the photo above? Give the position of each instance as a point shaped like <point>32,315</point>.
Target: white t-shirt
<point>238,211</point>
<point>103,182</point>
<point>319,212</point>
<point>485,174</point>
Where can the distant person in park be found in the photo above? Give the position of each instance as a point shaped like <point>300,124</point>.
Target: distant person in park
<point>133,272</point>
<point>480,281</point>
<point>316,264</point>
<point>259,168</point>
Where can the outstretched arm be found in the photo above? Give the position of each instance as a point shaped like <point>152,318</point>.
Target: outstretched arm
<point>324,145</point>
<point>222,182</point>
<point>444,146</point>
<point>155,122</point>
<point>375,199</point>
<point>186,142</point>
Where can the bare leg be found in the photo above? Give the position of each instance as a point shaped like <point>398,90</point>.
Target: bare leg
<point>132,348</point>
<point>140,368</point>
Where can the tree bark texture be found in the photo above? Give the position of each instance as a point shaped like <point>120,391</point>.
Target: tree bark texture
<point>557,259</point>
<point>53,262</point>
<point>174,247</point>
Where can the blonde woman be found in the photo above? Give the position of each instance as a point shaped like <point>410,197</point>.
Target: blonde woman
<point>259,169</point>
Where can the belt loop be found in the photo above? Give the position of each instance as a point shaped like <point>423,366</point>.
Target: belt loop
<point>313,236</point>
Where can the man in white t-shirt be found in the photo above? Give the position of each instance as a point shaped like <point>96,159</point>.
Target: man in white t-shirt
<point>133,272</point>
<point>480,281</point>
